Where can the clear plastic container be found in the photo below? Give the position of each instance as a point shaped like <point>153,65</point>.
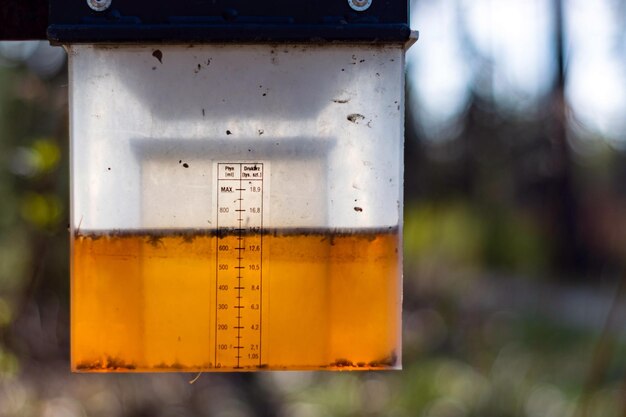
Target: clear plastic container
<point>236,207</point>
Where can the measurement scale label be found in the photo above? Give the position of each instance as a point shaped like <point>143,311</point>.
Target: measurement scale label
<point>239,265</point>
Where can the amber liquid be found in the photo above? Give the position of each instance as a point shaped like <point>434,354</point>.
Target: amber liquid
<point>159,301</point>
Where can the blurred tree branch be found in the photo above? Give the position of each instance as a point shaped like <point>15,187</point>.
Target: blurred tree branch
<point>563,200</point>
<point>603,352</point>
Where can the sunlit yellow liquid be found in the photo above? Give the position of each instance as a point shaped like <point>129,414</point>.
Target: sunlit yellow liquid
<point>318,300</point>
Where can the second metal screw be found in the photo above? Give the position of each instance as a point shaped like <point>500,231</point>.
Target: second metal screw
<point>99,5</point>
<point>360,5</point>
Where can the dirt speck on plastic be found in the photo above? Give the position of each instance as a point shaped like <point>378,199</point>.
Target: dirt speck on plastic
<point>158,55</point>
<point>355,117</point>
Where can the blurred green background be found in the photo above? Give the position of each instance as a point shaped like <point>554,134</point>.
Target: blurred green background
<point>515,233</point>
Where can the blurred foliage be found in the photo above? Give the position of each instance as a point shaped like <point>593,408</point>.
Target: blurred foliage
<point>465,234</point>
<point>33,213</point>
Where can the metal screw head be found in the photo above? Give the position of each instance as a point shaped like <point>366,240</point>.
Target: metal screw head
<point>99,5</point>
<point>360,5</point>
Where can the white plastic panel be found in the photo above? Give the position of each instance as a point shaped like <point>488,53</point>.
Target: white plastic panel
<point>151,123</point>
